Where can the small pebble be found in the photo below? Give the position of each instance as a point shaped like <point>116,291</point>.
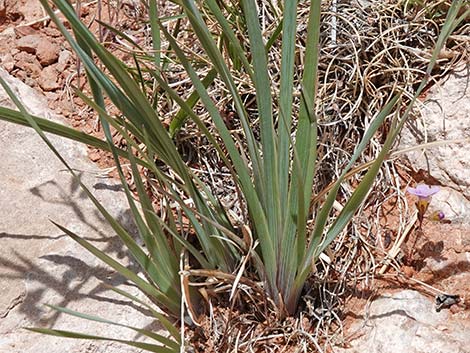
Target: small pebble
<point>408,271</point>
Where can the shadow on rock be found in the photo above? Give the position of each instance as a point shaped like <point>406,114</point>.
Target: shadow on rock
<point>71,283</point>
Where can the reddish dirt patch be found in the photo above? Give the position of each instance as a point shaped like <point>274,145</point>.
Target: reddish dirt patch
<point>33,50</point>
<point>442,260</point>
<point>433,260</point>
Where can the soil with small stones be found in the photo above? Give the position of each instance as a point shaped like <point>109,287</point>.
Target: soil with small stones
<point>434,259</point>
<point>33,50</point>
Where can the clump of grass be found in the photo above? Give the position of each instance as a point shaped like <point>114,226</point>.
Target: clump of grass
<point>265,105</point>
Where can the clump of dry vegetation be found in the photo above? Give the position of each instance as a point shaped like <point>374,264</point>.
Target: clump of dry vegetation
<point>368,52</point>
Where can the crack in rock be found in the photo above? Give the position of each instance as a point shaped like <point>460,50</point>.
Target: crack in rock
<point>13,304</point>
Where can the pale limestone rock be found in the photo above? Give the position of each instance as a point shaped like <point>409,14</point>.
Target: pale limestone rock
<point>445,116</point>
<point>39,264</point>
<point>406,322</point>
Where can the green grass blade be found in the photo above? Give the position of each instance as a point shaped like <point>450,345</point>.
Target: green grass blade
<point>159,338</point>
<point>211,49</point>
<point>289,30</point>
<point>287,253</point>
<point>159,316</point>
<point>58,129</point>
<point>306,133</point>
<point>155,30</point>
<point>154,237</point>
<point>133,103</point>
<point>325,210</point>
<point>244,179</point>
<point>275,35</point>
<point>299,182</point>
<point>180,117</point>
<point>166,276</point>
<point>264,103</point>
<point>356,199</point>
<point>170,303</point>
<point>230,35</point>
<point>270,181</point>
<point>70,334</point>
<point>159,265</point>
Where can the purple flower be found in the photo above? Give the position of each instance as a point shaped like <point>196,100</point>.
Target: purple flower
<point>424,191</point>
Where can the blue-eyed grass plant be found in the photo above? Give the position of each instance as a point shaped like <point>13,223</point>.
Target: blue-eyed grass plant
<point>273,169</point>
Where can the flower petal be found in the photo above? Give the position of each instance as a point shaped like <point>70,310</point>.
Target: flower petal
<point>423,190</point>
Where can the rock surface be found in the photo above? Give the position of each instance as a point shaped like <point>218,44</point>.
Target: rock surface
<point>7,61</point>
<point>407,322</point>
<point>47,52</point>
<point>28,63</point>
<point>41,265</point>
<point>29,43</point>
<point>445,116</point>
<point>48,79</point>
